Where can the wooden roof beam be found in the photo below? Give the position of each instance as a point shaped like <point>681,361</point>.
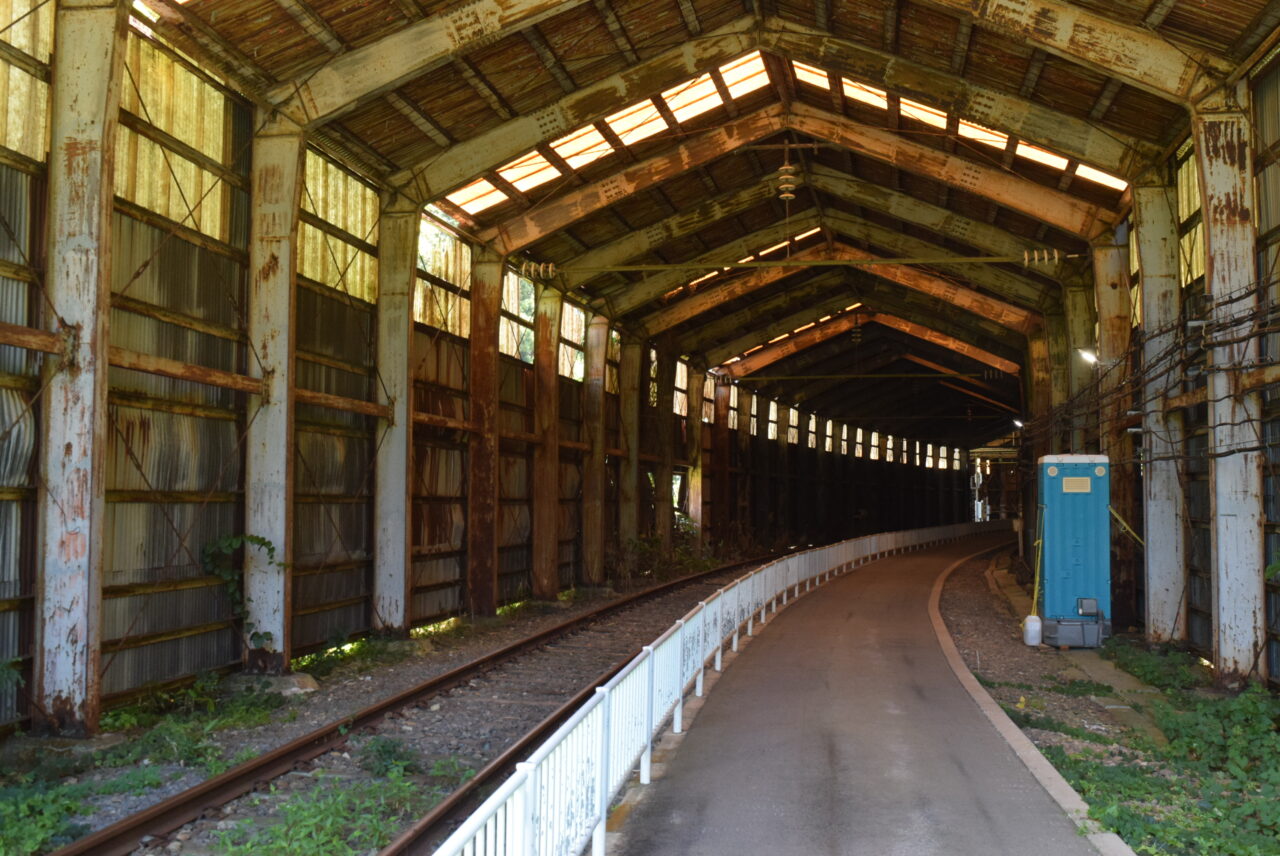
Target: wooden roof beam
<point>347,79</point>
<point>622,300</point>
<point>797,301</point>
<point>616,30</point>
<point>640,241</point>
<point>793,344</point>
<point>313,24</point>
<point>690,16</point>
<point>441,173</point>
<point>1139,57</point>
<point>1011,287</point>
<point>706,299</point>
<point>549,60</point>
<point>1045,204</point>
<point>951,343</point>
<point>1017,115</point>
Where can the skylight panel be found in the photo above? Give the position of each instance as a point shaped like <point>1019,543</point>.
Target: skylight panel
<point>986,136</point>
<point>778,338</point>
<point>774,247</point>
<point>477,196</point>
<point>704,277</point>
<point>584,146</point>
<point>745,74</point>
<point>815,230</point>
<point>810,75</point>
<point>1039,155</point>
<point>866,94</point>
<point>637,122</point>
<point>804,327</point>
<point>692,98</point>
<point>922,113</point>
<point>1097,176</point>
<point>529,171</point>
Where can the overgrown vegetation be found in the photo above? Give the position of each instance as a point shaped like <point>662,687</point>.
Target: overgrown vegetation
<point>334,817</point>
<point>217,559</point>
<point>363,653</point>
<point>340,817</point>
<point>1215,789</point>
<point>38,805</point>
<point>641,561</point>
<point>1023,719</point>
<point>1163,667</point>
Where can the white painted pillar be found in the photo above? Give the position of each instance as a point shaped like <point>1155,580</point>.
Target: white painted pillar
<point>398,229</point>
<point>693,436</point>
<point>1223,150</point>
<point>594,477</point>
<point>85,98</point>
<point>1164,506</point>
<point>278,152</point>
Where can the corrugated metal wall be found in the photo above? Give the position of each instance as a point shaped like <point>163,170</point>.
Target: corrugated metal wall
<point>515,480</point>
<point>333,470</point>
<point>439,478</point>
<point>174,462</point>
<point>569,527</point>
<point>19,435</point>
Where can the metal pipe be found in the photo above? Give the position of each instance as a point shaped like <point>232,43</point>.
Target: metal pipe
<point>1051,256</point>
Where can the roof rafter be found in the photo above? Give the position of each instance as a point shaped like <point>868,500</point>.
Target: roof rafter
<point>1137,56</point>
<point>1045,204</point>
<point>619,301</point>
<point>344,81</point>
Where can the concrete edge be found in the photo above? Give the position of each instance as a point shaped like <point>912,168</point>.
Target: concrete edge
<point>1058,788</point>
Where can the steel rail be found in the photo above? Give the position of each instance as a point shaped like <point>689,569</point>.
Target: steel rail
<point>125,836</point>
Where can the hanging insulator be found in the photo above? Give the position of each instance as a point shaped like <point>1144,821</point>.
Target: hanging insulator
<point>786,196</point>
<point>538,270</point>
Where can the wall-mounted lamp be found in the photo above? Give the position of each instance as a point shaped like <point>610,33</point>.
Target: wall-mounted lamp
<point>1088,356</point>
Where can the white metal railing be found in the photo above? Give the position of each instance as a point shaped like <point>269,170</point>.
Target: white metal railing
<point>558,800</point>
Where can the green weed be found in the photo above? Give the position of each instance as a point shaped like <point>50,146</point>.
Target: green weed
<point>363,653</point>
<point>1047,723</point>
<point>1162,667</point>
<point>335,818</point>
<point>380,755</point>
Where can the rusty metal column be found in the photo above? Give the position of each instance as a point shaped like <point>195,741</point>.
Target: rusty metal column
<point>664,424</point>
<point>746,465</point>
<point>1060,357</point>
<point>278,151</point>
<point>1080,373</point>
<point>1164,506</point>
<point>1223,150</point>
<point>482,452</point>
<point>545,489</point>
<point>1115,329</point>
<point>630,366</point>
<point>693,449</point>
<point>594,479</point>
<point>89,42</point>
<point>398,228</point>
<point>722,516</point>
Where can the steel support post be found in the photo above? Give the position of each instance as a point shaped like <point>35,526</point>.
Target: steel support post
<point>630,366</point>
<point>482,453</point>
<point>1224,153</point>
<point>1164,505</point>
<point>398,228</point>
<point>1115,328</point>
<point>1081,373</point>
<point>279,148</point>
<point>664,424</point>
<point>85,97</point>
<point>1060,360</point>
<point>722,515</point>
<point>546,454</point>
<point>594,524</point>
<point>745,494</point>
<point>693,450</point>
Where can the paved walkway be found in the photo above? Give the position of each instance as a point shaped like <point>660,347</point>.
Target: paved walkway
<point>842,730</point>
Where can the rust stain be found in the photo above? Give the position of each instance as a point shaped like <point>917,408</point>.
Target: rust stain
<point>269,268</point>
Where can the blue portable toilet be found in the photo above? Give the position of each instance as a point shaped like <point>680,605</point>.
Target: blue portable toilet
<point>1075,527</point>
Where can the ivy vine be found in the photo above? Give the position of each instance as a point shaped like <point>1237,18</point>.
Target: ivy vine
<point>217,558</point>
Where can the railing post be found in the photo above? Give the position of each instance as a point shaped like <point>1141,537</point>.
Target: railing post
<point>677,715</point>
<point>719,625</point>
<point>529,813</point>
<point>602,795</point>
<point>646,757</point>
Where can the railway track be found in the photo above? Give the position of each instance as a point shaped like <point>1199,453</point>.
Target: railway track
<point>492,709</point>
